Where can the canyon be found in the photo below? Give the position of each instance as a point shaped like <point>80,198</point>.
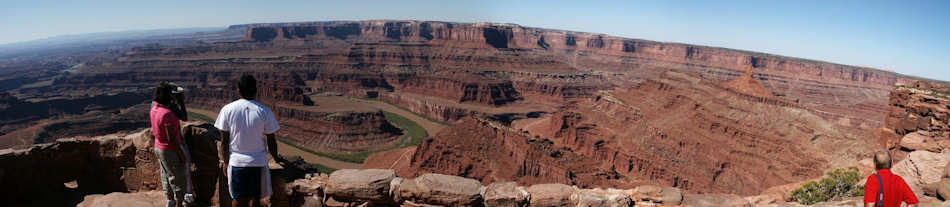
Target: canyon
<point>497,102</point>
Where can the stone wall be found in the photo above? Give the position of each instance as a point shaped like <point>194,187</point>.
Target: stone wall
<point>62,172</point>
<point>378,187</point>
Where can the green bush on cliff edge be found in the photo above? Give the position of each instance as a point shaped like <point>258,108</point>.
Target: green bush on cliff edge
<point>840,183</point>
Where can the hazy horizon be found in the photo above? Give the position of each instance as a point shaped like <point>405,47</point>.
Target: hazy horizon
<point>905,37</point>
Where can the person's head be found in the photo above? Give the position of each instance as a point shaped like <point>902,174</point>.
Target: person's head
<point>882,159</point>
<point>163,93</point>
<point>247,87</point>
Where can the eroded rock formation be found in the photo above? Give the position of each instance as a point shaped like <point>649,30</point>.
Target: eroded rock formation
<point>918,117</point>
<point>528,159</point>
<point>680,137</point>
<point>602,110</point>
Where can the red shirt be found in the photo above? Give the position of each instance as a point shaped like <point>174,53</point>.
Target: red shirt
<point>162,117</point>
<point>895,190</point>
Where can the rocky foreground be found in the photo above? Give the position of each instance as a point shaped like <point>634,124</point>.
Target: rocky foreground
<point>104,164</point>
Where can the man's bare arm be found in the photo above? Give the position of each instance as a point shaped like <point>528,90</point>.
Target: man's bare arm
<point>224,149</point>
<point>272,146</point>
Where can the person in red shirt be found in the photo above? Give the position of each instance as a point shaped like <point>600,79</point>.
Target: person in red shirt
<point>895,190</point>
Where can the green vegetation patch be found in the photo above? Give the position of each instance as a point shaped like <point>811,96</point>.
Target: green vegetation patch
<point>839,183</point>
<point>414,132</point>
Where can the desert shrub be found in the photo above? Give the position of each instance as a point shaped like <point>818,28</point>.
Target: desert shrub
<point>839,183</point>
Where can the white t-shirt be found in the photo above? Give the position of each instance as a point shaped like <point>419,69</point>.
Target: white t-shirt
<point>247,121</point>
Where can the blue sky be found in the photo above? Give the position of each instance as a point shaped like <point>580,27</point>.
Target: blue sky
<point>910,37</point>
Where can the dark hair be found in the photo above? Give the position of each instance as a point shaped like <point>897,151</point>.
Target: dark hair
<point>882,159</point>
<point>247,87</point>
<point>163,93</point>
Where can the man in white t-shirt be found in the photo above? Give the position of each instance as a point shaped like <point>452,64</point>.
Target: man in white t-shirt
<point>247,135</point>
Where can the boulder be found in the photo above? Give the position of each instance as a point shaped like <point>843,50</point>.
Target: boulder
<point>929,201</point>
<point>908,124</point>
<point>920,168</point>
<point>438,189</point>
<point>845,203</point>
<point>943,189</point>
<point>201,140</point>
<point>307,191</point>
<point>505,194</point>
<point>946,171</point>
<point>647,193</point>
<point>140,199</point>
<point>601,198</point>
<point>550,194</point>
<point>414,204</point>
<point>365,185</point>
<point>930,189</point>
<point>672,196</point>
<point>143,139</point>
<point>715,200</point>
<point>657,194</point>
<point>764,200</point>
<point>918,141</point>
<point>311,184</point>
<point>329,201</point>
<point>312,201</point>
<point>887,138</point>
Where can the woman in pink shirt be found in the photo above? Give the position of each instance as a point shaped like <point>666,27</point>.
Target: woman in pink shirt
<point>165,127</point>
